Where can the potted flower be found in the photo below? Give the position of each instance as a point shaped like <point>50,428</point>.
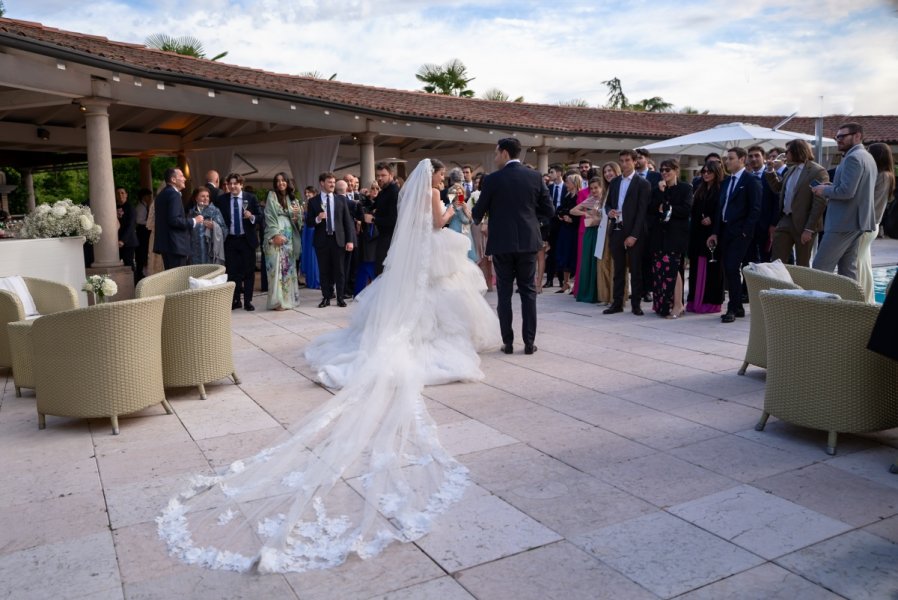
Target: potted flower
<point>101,286</point>
<point>61,219</point>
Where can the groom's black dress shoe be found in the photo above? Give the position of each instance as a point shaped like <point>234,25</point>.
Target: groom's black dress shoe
<point>529,348</point>
<point>728,318</point>
<point>341,303</point>
<point>740,313</point>
<point>614,308</point>
<point>507,348</point>
<point>637,311</point>
<point>235,305</point>
<point>325,302</point>
<point>249,307</point>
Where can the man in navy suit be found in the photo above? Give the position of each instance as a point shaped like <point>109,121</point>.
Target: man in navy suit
<point>329,215</point>
<point>627,203</point>
<point>515,198</point>
<point>556,193</point>
<point>172,227</point>
<point>740,209</point>
<point>240,210</point>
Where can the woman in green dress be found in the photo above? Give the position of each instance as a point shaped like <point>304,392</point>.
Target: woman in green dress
<point>282,244</point>
<point>590,209</point>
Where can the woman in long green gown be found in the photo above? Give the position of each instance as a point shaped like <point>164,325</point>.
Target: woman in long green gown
<point>282,244</point>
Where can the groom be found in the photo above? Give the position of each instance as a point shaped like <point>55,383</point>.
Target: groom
<point>515,198</point>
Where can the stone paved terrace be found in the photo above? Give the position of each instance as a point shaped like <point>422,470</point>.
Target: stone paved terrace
<point>620,461</point>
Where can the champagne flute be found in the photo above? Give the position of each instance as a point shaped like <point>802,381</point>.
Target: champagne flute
<point>712,246</point>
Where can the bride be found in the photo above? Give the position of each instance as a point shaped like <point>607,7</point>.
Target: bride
<point>365,468</point>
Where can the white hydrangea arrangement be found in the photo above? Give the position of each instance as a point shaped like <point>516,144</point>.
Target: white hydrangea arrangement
<point>61,219</point>
<point>101,286</point>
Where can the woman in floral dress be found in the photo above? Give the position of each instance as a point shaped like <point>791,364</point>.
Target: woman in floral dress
<point>282,244</point>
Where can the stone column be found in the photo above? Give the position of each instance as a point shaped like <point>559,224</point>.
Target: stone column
<point>100,180</point>
<point>366,158</point>
<point>28,182</point>
<point>542,159</point>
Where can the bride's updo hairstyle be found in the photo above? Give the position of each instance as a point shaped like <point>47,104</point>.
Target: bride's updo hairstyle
<point>437,165</point>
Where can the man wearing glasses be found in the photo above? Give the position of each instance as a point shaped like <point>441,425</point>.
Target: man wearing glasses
<point>849,210</point>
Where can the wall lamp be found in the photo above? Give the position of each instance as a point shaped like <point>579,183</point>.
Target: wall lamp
<point>43,134</point>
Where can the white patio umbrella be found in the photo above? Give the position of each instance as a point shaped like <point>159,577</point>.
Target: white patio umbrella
<point>719,138</point>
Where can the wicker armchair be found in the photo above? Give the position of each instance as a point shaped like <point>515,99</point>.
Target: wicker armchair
<point>820,373</point>
<point>49,297</point>
<point>803,278</point>
<point>196,332</point>
<point>73,382</point>
<point>174,280</point>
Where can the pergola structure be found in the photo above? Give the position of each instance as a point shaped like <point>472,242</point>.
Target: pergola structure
<point>68,97</point>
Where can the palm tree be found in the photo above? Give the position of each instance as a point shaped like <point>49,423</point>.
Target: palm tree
<point>577,102</point>
<point>450,79</point>
<point>185,45</point>
<point>499,96</point>
<point>653,104</point>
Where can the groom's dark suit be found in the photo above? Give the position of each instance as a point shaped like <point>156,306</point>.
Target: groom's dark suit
<point>735,227</point>
<point>515,198</point>
<point>634,207</point>
<point>330,247</point>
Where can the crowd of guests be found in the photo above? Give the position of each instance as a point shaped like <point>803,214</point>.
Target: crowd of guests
<point>625,230</point>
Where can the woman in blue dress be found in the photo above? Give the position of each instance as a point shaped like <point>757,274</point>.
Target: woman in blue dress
<point>308,262</point>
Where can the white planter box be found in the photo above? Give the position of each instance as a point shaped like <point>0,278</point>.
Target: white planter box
<point>56,259</point>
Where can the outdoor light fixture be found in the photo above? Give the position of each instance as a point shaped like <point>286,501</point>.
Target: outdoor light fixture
<point>255,100</point>
<point>438,127</point>
<point>60,66</point>
<point>160,85</point>
<point>292,107</point>
<point>116,77</point>
<point>138,82</point>
<point>82,108</point>
<point>211,93</point>
<point>327,112</point>
<point>43,134</point>
<point>356,117</point>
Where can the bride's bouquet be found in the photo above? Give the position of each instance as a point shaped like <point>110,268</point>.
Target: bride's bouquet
<point>61,219</point>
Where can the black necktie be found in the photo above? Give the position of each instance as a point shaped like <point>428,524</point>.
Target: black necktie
<point>329,212</point>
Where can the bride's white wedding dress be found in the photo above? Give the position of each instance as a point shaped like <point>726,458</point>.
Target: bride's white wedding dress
<point>366,468</point>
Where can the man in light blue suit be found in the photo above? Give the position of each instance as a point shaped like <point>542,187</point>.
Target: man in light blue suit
<point>849,211</point>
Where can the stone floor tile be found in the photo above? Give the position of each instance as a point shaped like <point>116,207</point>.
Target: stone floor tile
<point>32,523</point>
<point>872,464</point>
<point>130,465</point>
<point>759,522</point>
<point>857,565</point>
<point>835,493</point>
<point>767,581</point>
<point>442,588</point>
<point>662,396</point>
<point>462,437</point>
<point>231,415</point>
<point>660,431</point>
<point>482,528</point>
<point>55,480</point>
<point>223,450</point>
<point>665,554</point>
<point>739,458</point>
<point>399,566</point>
<point>142,501</point>
<point>804,441</point>
<point>75,567</point>
<point>887,528</point>
<point>723,415</point>
<point>663,480</point>
<point>572,575</point>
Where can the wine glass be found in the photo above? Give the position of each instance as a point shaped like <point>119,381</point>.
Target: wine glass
<point>712,246</point>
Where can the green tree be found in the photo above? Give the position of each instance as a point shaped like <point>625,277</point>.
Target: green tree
<point>450,79</point>
<point>2,9</point>
<point>576,102</point>
<point>616,97</point>
<point>185,45</point>
<point>317,75</point>
<point>691,110</point>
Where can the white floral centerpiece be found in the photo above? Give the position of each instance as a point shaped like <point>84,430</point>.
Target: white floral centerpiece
<point>101,286</point>
<point>61,219</point>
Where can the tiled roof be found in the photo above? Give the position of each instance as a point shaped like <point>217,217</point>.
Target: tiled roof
<point>540,118</point>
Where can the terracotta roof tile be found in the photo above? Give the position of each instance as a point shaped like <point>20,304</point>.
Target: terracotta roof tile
<point>541,118</point>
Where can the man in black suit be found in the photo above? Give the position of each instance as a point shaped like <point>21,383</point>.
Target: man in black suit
<point>556,193</point>
<point>386,211</point>
<point>329,215</point>
<point>740,209</point>
<point>172,227</point>
<point>654,178</point>
<point>762,240</point>
<point>212,182</point>
<point>627,203</point>
<point>240,210</point>
<point>515,198</point>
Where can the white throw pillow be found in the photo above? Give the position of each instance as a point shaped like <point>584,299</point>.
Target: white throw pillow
<point>806,293</point>
<point>17,286</point>
<point>195,284</point>
<point>774,270</point>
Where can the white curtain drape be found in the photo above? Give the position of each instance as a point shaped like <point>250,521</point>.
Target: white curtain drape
<point>310,158</point>
<point>202,161</point>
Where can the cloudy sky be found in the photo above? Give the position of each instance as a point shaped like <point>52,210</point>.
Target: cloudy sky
<point>767,57</point>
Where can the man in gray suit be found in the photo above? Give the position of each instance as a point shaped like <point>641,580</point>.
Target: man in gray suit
<point>849,210</point>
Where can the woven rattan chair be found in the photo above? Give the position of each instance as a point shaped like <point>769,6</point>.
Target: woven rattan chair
<point>196,334</point>
<point>174,280</point>
<point>48,296</point>
<point>803,278</point>
<point>820,373</point>
<point>84,359</point>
